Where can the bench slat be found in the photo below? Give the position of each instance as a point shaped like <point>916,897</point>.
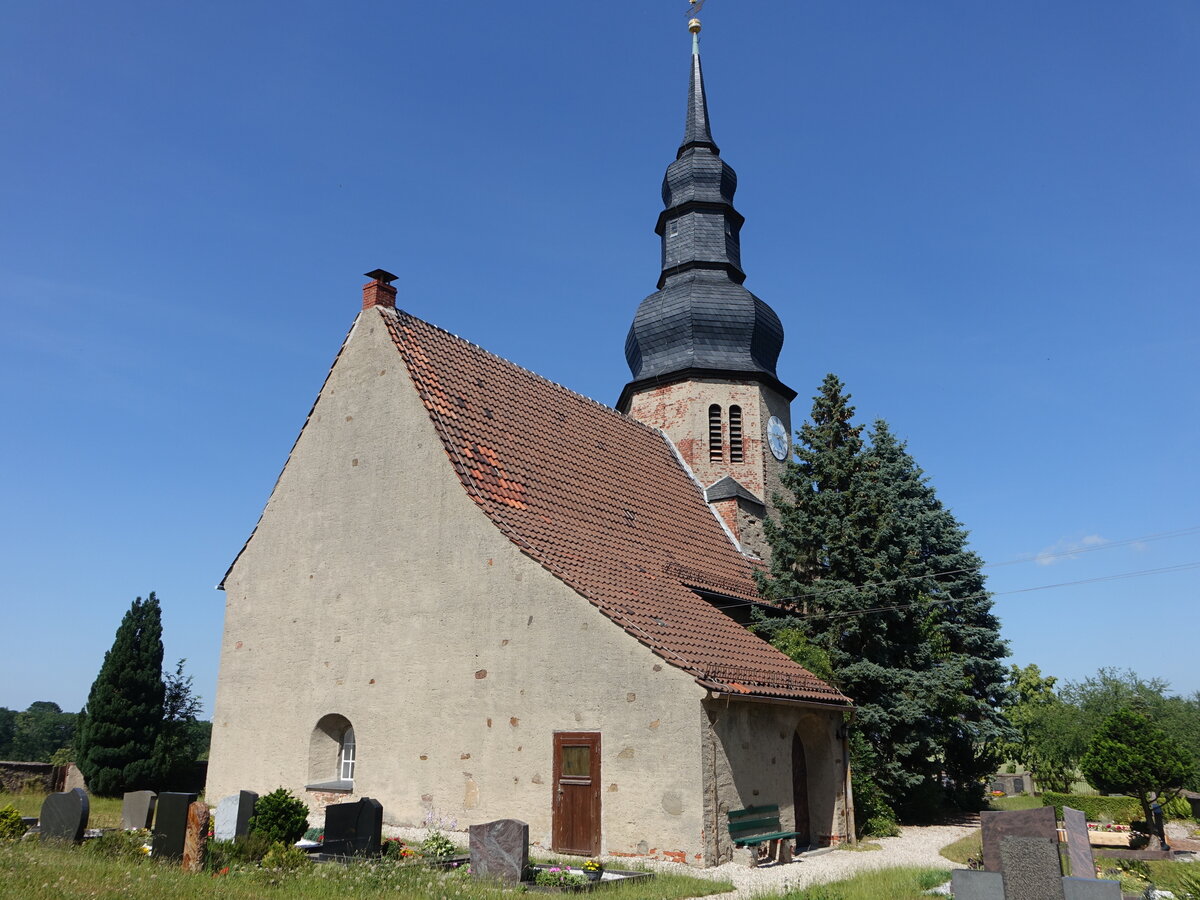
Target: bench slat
<point>771,824</point>
<point>751,811</point>
<point>763,838</point>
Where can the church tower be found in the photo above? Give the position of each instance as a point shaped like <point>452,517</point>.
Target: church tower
<point>702,349</point>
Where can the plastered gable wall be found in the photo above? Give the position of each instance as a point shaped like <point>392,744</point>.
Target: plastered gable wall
<point>374,588</point>
<point>748,758</point>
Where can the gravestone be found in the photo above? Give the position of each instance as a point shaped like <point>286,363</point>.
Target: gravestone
<point>1038,822</point>
<point>137,809</point>
<point>968,885</point>
<point>1031,867</point>
<point>64,816</point>
<point>1079,846</point>
<point>353,829</point>
<point>1091,889</point>
<point>232,819</point>
<point>195,839</point>
<point>500,850</point>
<point>170,825</point>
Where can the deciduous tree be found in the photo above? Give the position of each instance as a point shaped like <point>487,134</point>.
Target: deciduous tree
<point>1131,755</point>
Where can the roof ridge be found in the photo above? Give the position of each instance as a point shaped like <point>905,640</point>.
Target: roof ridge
<point>508,362</point>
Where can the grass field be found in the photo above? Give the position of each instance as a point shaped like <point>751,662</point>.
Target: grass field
<point>103,812</point>
<point>31,871</point>
<point>893,884</point>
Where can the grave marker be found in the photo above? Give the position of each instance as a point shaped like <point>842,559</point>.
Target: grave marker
<point>232,819</point>
<point>137,809</point>
<point>1079,846</point>
<point>1031,867</point>
<point>1020,823</point>
<point>170,825</point>
<point>64,816</point>
<point>353,829</point>
<point>500,850</point>
<point>195,840</point>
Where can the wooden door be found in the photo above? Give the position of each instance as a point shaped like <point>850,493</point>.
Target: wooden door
<point>577,793</point>
<point>800,791</point>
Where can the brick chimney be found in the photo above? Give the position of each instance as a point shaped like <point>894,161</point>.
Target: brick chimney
<point>379,291</point>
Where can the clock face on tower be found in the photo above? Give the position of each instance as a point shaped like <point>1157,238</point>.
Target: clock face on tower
<point>777,437</point>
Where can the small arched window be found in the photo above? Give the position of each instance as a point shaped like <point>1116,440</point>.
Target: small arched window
<point>332,755</point>
<point>716,452</point>
<point>736,453</point>
<point>346,756</point>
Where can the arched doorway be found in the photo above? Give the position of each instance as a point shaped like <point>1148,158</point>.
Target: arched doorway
<point>800,792</point>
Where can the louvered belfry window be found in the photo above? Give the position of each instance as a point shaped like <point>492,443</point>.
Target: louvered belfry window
<point>715,451</point>
<point>735,434</point>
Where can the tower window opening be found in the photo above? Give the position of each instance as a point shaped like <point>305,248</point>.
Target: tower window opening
<point>735,434</point>
<point>715,450</point>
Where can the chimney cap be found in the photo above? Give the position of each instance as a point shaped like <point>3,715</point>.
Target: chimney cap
<point>381,275</point>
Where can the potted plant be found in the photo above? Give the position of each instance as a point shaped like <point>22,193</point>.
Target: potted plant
<point>593,869</point>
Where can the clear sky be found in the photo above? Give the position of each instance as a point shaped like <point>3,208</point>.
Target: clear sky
<point>984,217</point>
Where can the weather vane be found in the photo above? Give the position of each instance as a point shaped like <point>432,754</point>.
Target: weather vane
<point>693,10</point>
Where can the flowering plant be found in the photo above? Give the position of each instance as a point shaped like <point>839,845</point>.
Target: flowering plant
<point>593,865</point>
<point>558,876</point>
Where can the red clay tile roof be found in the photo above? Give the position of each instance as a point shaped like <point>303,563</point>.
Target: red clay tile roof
<point>603,503</point>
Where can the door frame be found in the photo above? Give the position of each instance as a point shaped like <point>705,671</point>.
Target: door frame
<point>558,826</point>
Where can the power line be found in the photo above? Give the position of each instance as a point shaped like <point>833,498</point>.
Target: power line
<point>1107,545</point>
<point>1043,587</point>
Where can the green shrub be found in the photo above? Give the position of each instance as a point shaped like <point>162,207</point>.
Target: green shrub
<point>11,826</point>
<point>438,846</point>
<point>121,844</point>
<point>880,826</point>
<point>1177,808</point>
<point>248,850</point>
<point>558,876</point>
<point>286,857</point>
<point>280,817</point>
<point>1121,810</point>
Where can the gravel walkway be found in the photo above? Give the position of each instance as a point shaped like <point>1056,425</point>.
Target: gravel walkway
<point>916,846</point>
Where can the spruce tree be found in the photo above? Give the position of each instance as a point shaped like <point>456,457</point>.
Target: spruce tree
<point>879,576</point>
<point>123,718</point>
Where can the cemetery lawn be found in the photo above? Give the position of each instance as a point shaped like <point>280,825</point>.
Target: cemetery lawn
<point>906,883</point>
<point>104,812</point>
<point>31,871</point>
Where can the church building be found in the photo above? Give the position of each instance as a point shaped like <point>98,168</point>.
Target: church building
<point>476,594</point>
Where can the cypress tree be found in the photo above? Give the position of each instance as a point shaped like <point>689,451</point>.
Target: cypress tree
<point>879,576</point>
<point>124,713</point>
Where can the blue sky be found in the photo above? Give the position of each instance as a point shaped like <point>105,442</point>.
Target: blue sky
<point>985,218</point>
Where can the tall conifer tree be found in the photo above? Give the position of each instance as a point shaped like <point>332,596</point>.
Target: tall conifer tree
<point>124,713</point>
<point>879,574</point>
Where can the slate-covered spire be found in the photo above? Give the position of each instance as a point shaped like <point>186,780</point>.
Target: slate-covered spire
<point>696,131</point>
<point>701,322</point>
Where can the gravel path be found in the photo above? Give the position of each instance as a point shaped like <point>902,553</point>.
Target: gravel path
<point>916,846</point>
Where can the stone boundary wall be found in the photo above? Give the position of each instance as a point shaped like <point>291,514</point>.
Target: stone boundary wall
<point>21,776</point>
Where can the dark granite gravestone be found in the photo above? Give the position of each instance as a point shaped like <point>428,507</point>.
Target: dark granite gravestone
<point>1022,823</point>
<point>353,829</point>
<point>1031,867</point>
<point>232,819</point>
<point>1091,889</point>
<point>1079,844</point>
<point>170,825</point>
<point>195,839</point>
<point>137,809</point>
<point>64,816</point>
<point>500,850</point>
<point>968,885</point>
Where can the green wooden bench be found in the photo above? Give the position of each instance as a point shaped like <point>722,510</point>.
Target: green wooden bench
<point>757,825</point>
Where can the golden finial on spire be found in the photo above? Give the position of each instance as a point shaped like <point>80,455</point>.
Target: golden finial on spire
<point>694,7</point>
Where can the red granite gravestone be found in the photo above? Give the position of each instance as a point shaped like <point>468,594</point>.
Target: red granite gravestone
<point>195,839</point>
